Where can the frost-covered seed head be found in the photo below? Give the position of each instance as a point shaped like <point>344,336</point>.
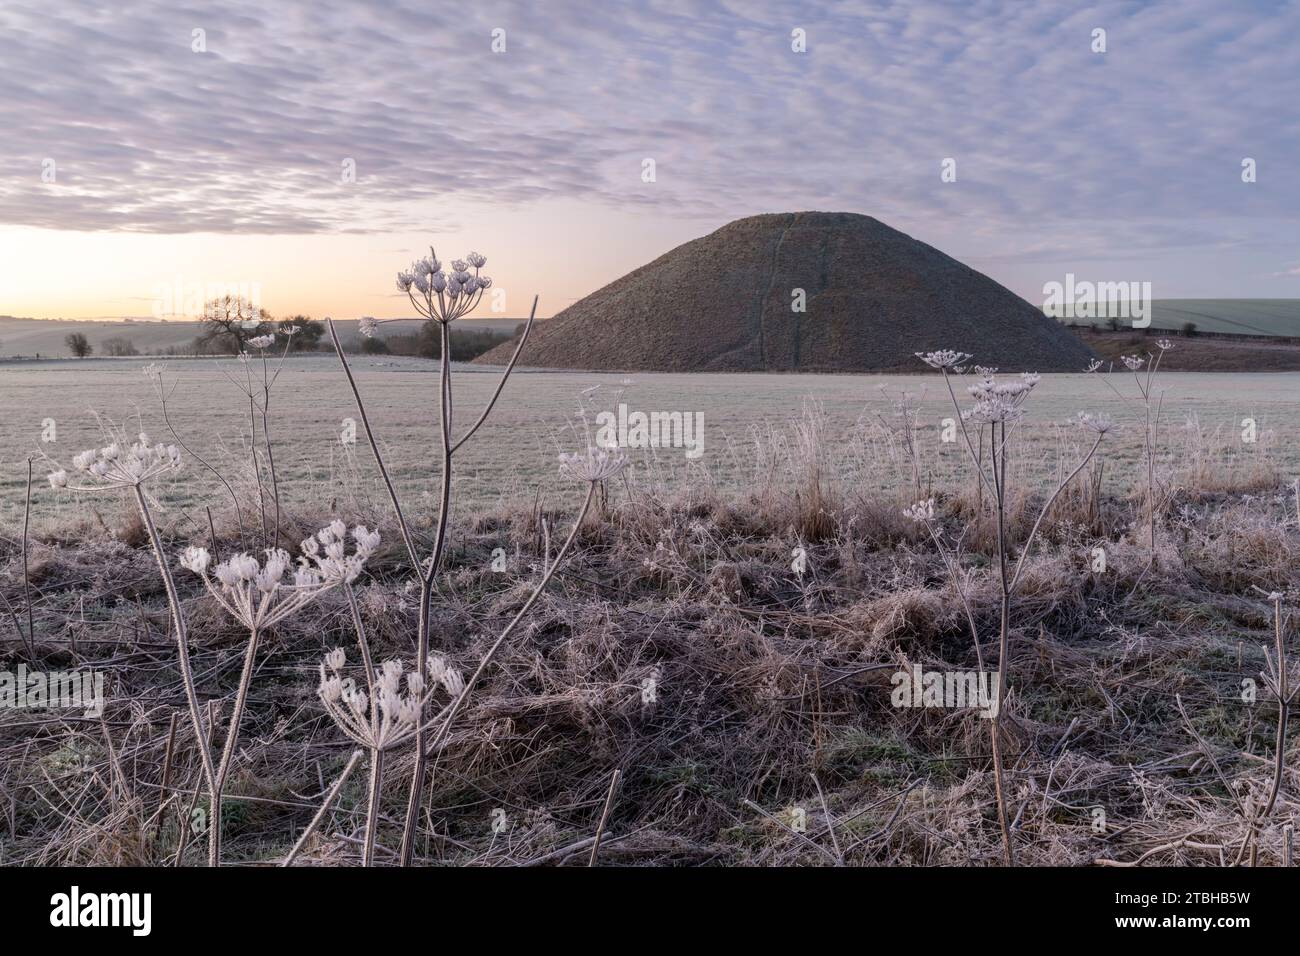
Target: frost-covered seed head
<point>921,511</point>
<point>1097,423</point>
<point>196,560</point>
<point>944,358</point>
<point>598,464</point>
<point>331,688</point>
<point>367,541</point>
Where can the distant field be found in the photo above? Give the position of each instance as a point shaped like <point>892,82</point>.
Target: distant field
<point>1232,316</point>
<point>30,337</point>
<point>750,425</point>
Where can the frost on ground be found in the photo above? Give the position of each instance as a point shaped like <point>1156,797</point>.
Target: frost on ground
<point>747,705</point>
<point>1024,661</point>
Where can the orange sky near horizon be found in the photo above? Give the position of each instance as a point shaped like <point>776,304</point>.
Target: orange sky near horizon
<point>108,275</point>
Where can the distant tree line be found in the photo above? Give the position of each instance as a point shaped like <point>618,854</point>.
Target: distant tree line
<point>230,322</point>
<point>426,342</point>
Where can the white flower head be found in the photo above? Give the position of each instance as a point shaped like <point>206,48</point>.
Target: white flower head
<point>1134,362</point>
<point>262,341</point>
<point>121,462</point>
<point>443,297</point>
<point>598,464</point>
<point>1164,344</point>
<point>990,411</point>
<point>259,594</point>
<point>922,511</point>
<point>944,359</point>
<point>1097,423</point>
<point>368,326</point>
<point>367,541</point>
<point>196,559</point>
<point>386,717</point>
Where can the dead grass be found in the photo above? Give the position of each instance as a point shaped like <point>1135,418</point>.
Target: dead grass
<point>679,646</point>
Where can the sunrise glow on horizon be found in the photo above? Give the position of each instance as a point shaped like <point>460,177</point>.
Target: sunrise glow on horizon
<point>260,148</point>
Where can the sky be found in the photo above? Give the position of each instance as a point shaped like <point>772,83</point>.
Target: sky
<point>307,152</point>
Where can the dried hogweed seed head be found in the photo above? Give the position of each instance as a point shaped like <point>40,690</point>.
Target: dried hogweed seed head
<point>944,358</point>
<point>921,511</point>
<point>368,326</point>
<point>367,541</point>
<point>598,464</point>
<point>1097,423</point>
<point>330,689</point>
<point>454,682</point>
<point>120,463</point>
<point>196,560</point>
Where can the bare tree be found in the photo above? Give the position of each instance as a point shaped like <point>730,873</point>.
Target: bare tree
<point>230,321</point>
<point>119,345</point>
<point>78,344</point>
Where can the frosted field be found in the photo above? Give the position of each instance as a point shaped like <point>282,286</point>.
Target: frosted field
<point>752,433</point>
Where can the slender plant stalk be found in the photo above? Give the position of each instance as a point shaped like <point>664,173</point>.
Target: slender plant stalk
<point>27,588</point>
<point>407,537</point>
<point>1279,683</point>
<point>1004,636</point>
<point>234,498</point>
<point>426,597</point>
<point>266,437</point>
<point>324,807</point>
<point>427,571</point>
<point>604,817</point>
<point>183,650</point>
<point>168,755</point>
<point>372,807</point>
<point>228,750</point>
<point>996,481</point>
<point>252,450</point>
<point>459,702</point>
